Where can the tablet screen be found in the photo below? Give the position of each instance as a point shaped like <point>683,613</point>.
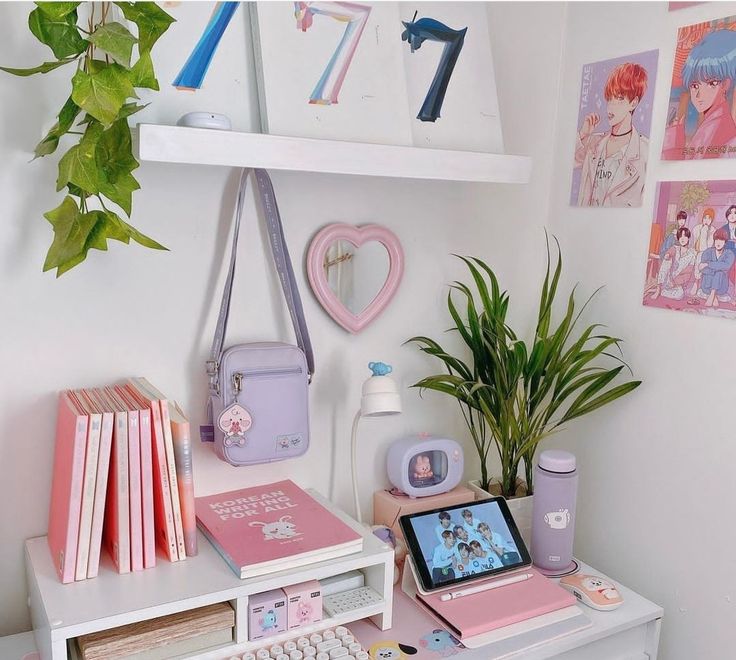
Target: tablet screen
<point>464,542</point>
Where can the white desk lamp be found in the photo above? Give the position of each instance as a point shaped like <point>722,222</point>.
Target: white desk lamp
<point>380,397</point>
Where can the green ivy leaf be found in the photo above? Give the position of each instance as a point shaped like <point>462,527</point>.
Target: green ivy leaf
<point>61,34</point>
<point>115,40</point>
<point>152,21</point>
<point>71,230</point>
<point>142,75</point>
<point>66,118</point>
<point>130,109</point>
<point>133,233</point>
<point>41,68</point>
<point>103,93</point>
<point>121,192</point>
<point>57,9</point>
<point>79,164</point>
<point>114,151</point>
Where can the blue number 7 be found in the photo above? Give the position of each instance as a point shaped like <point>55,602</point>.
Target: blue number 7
<point>416,33</point>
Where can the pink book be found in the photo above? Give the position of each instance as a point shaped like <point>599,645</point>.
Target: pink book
<point>184,472</point>
<point>134,483</point>
<point>268,528</point>
<point>66,486</point>
<point>116,528</point>
<point>94,428</point>
<point>144,428</point>
<point>182,441</point>
<point>103,466</point>
<point>163,513</point>
<point>485,611</point>
<point>159,402</point>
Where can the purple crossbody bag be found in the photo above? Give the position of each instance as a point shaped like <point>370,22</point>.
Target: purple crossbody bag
<point>258,409</point>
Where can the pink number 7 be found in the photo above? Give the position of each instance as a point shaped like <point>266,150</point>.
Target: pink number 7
<point>356,16</point>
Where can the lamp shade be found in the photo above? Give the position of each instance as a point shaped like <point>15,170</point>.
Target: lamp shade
<point>380,396</point>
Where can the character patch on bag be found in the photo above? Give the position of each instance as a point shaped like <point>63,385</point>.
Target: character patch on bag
<point>234,421</point>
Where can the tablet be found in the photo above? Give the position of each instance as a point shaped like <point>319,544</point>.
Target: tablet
<point>465,542</point>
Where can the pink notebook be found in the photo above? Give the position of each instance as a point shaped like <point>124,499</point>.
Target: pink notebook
<point>134,482</point>
<point>477,614</point>
<point>163,514</point>
<point>146,468</point>
<point>116,527</point>
<point>103,465</point>
<point>160,406</point>
<point>268,528</point>
<point>66,487</point>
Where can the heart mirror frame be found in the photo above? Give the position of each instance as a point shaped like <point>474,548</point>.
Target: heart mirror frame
<point>357,235</point>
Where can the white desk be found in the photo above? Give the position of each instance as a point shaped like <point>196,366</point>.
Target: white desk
<point>629,633</point>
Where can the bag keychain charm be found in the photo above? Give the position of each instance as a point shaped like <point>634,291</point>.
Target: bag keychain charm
<point>235,420</point>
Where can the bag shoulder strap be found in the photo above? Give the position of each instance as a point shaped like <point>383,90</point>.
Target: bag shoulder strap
<point>285,270</point>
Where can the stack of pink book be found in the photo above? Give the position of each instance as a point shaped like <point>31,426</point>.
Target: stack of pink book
<point>122,479</point>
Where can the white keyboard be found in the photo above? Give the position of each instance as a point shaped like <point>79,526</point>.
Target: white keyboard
<point>332,644</point>
<point>347,601</point>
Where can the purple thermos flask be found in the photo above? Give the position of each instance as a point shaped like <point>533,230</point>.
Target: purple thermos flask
<point>553,511</point>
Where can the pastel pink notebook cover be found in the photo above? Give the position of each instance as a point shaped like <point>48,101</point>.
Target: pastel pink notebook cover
<point>148,539</point>
<point>271,522</point>
<point>163,515</point>
<point>134,485</point>
<point>485,611</point>
<point>116,526</point>
<point>66,487</point>
<point>149,527</point>
<point>103,466</point>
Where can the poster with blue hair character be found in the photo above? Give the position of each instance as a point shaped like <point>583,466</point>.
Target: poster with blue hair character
<point>700,115</point>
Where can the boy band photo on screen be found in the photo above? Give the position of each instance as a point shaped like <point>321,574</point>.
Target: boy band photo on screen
<point>468,542</point>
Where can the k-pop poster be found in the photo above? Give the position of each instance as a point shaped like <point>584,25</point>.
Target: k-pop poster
<point>700,115</point>
<point>612,140</point>
<point>691,265</point>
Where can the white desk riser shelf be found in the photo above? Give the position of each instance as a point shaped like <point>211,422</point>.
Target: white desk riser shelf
<point>63,611</point>
<point>201,146</point>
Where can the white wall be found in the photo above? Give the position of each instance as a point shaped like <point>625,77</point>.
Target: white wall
<point>656,505</point>
<point>133,311</point>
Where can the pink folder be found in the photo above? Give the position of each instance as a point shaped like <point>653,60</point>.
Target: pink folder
<point>66,487</point>
<point>473,615</point>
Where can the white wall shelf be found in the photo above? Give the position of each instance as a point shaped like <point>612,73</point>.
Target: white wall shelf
<point>200,146</point>
<point>63,611</point>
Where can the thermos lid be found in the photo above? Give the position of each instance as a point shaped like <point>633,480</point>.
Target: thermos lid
<point>556,460</point>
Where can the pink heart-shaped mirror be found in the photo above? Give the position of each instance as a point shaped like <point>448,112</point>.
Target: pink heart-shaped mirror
<point>354,272</point>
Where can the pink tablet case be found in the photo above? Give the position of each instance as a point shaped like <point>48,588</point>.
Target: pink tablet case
<point>473,615</point>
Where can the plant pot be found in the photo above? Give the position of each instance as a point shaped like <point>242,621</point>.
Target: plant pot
<point>520,504</point>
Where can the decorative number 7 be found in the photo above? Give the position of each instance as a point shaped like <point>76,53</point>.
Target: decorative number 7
<point>416,33</point>
<point>356,16</point>
<point>194,70</point>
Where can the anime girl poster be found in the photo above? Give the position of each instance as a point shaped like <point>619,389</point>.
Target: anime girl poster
<point>691,262</point>
<point>612,139</point>
<point>700,115</point>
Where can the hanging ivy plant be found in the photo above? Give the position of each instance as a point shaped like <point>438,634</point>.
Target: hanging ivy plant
<point>97,170</point>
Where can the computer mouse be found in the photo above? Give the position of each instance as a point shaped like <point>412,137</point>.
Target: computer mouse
<point>593,590</point>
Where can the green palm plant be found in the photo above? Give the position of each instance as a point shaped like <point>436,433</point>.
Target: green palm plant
<point>513,395</point>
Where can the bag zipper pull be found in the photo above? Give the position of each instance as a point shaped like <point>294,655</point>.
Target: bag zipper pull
<point>237,384</point>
